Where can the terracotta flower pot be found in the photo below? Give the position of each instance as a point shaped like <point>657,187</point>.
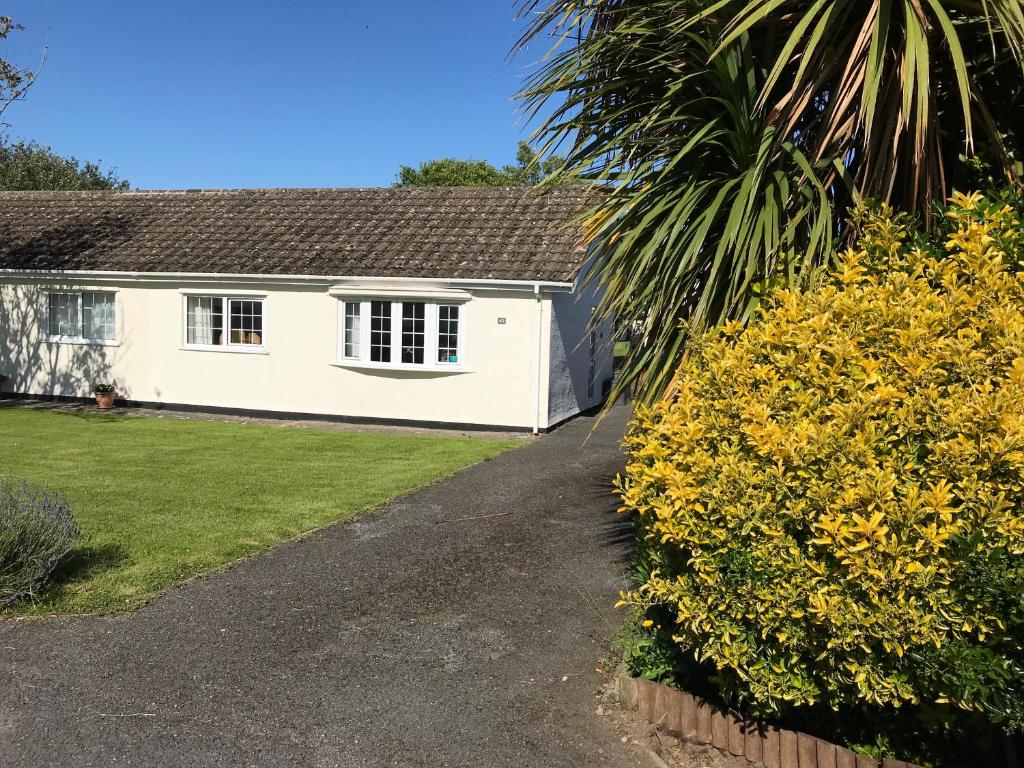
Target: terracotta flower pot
<point>105,400</point>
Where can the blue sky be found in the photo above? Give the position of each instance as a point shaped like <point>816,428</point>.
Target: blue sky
<point>213,93</point>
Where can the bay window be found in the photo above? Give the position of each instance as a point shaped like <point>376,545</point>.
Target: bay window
<point>353,330</point>
<point>86,317</point>
<point>414,321</point>
<point>448,333</point>
<point>213,322</point>
<point>380,331</point>
<point>401,334</point>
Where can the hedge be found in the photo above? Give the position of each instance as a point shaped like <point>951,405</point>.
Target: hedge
<point>831,497</point>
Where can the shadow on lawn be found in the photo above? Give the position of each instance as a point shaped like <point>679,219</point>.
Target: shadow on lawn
<point>88,561</point>
<point>82,564</point>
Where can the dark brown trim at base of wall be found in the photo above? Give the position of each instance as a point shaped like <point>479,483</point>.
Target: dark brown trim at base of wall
<point>292,415</point>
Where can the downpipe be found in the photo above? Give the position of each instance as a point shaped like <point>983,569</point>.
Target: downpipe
<point>538,356</point>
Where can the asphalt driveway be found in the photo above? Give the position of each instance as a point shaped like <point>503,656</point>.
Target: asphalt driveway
<point>458,626</point>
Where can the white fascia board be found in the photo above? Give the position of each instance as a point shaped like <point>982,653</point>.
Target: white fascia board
<point>397,291</point>
<point>325,280</point>
<point>234,292</point>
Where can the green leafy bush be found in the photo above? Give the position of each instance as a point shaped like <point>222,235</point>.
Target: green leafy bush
<point>36,531</point>
<point>832,498</point>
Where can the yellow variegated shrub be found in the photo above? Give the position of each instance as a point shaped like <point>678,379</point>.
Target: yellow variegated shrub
<point>832,497</point>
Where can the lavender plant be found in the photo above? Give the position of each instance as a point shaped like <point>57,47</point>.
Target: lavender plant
<point>37,529</point>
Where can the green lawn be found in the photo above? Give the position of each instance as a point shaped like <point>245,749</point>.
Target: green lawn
<point>162,500</point>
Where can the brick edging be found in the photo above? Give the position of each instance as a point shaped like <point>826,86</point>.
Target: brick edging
<point>697,720</point>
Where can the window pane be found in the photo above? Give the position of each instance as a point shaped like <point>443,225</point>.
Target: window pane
<point>98,316</point>
<point>380,331</point>
<point>448,333</point>
<point>205,323</point>
<point>64,313</point>
<point>352,329</point>
<point>414,326</point>
<point>246,322</point>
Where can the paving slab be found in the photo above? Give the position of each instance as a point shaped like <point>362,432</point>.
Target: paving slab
<point>327,423</point>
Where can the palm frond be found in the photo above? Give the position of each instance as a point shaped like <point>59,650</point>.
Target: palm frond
<point>732,135</point>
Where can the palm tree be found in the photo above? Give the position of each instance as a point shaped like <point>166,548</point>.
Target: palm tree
<point>733,135</point>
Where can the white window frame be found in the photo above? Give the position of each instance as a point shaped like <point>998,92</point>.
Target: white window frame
<point>459,332</point>
<point>342,326</point>
<point>431,325</point>
<point>79,338</point>
<point>226,344</point>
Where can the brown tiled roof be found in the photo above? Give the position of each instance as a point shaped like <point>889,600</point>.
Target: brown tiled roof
<point>442,232</point>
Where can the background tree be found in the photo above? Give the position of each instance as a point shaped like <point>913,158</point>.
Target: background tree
<point>733,134</point>
<point>14,80</point>
<point>451,172</point>
<point>529,170</point>
<point>28,165</point>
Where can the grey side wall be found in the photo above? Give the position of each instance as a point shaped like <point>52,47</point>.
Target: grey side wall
<point>571,356</point>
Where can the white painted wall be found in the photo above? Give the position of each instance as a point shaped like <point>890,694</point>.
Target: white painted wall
<point>298,373</point>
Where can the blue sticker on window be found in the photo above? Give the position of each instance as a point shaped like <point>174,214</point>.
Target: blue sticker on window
<point>453,358</point>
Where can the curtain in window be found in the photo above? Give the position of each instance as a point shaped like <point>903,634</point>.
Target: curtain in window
<point>200,320</point>
<point>353,316</point>
<point>98,316</point>
<point>64,313</point>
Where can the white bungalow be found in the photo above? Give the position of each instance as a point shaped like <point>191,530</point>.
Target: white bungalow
<point>453,306</point>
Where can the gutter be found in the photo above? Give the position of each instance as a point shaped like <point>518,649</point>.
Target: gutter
<point>327,280</point>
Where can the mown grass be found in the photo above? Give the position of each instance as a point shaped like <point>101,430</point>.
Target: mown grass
<point>160,501</point>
